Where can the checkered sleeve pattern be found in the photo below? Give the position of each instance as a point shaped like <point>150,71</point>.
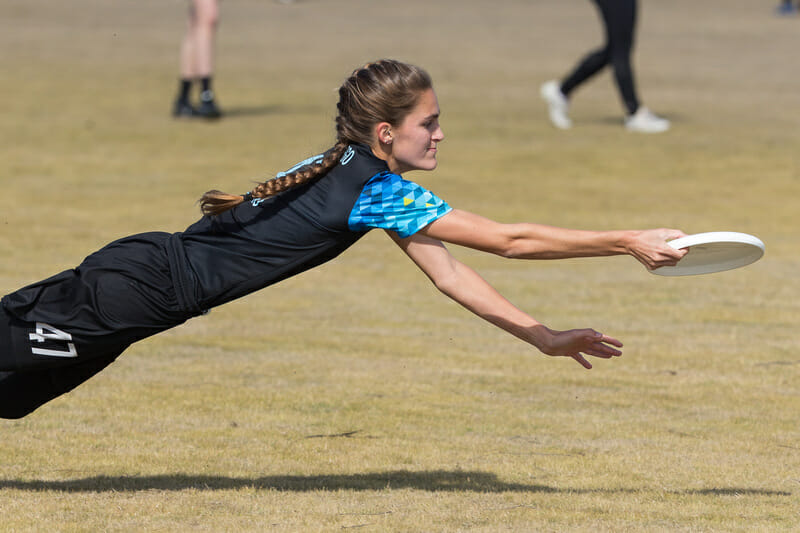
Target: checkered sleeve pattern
<point>390,202</point>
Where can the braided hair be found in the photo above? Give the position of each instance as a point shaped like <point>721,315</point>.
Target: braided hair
<point>382,91</point>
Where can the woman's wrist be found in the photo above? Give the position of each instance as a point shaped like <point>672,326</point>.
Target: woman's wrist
<point>623,241</point>
<point>541,337</point>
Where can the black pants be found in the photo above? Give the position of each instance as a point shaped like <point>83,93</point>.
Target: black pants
<point>619,20</point>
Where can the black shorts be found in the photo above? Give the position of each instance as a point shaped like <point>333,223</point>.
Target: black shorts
<point>45,365</point>
<point>59,332</point>
<point>26,346</point>
<point>115,297</point>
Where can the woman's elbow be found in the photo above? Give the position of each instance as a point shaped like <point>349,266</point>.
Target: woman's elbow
<point>518,242</point>
<point>446,283</point>
<point>510,248</point>
<point>510,244</point>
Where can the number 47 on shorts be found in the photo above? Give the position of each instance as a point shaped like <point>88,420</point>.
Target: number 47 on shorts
<point>57,342</point>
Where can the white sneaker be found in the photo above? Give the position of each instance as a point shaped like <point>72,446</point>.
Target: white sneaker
<point>644,121</point>
<point>557,104</point>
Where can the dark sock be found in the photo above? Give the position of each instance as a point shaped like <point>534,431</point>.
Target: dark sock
<point>185,87</point>
<point>205,86</point>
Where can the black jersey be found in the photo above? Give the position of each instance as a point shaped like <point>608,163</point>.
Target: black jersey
<point>146,283</point>
<point>263,241</point>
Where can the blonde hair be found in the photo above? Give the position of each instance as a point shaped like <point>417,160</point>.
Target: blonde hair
<point>382,91</point>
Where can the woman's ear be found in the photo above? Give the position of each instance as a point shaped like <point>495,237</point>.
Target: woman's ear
<point>383,133</point>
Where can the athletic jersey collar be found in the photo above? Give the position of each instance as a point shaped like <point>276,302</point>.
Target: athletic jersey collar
<point>362,150</point>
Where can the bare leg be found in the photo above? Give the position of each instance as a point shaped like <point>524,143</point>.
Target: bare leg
<point>197,59</point>
<point>197,51</point>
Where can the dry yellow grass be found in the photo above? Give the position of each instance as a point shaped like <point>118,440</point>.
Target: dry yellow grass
<point>355,397</point>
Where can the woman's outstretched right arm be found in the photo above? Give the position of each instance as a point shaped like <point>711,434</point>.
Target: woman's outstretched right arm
<point>466,287</point>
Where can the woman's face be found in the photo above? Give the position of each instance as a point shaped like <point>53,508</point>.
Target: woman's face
<point>412,143</point>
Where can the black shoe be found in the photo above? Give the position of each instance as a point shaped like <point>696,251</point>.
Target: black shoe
<point>183,108</point>
<point>208,108</point>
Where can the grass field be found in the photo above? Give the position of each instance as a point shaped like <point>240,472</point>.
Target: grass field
<point>355,396</point>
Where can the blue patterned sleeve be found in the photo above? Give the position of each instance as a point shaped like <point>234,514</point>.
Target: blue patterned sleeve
<point>390,202</point>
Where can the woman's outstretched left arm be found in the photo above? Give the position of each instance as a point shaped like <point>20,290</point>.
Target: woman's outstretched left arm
<point>537,241</point>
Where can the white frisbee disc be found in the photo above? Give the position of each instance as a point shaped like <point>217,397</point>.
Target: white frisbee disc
<point>714,251</point>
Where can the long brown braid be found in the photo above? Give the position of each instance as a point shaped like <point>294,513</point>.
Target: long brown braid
<point>216,202</point>
<point>383,91</point>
